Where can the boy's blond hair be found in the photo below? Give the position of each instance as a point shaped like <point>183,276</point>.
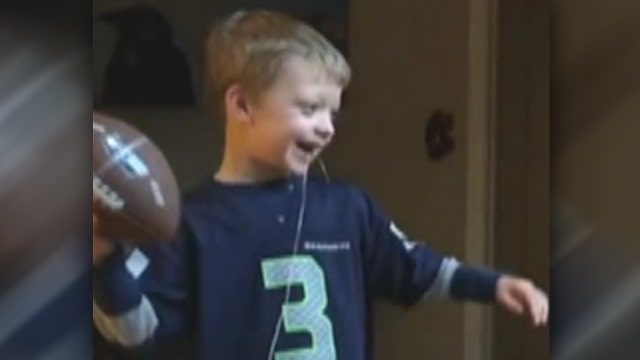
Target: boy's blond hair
<point>249,47</point>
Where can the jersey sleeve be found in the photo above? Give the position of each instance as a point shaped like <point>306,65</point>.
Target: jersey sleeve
<point>141,298</point>
<point>405,271</point>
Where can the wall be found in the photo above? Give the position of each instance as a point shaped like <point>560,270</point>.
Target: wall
<point>522,157</point>
<point>409,58</point>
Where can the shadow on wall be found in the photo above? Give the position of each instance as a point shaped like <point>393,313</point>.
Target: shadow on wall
<point>146,68</point>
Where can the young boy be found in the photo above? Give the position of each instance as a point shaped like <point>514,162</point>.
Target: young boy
<point>270,263</point>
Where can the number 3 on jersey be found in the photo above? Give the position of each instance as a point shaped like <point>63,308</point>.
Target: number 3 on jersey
<point>306,315</point>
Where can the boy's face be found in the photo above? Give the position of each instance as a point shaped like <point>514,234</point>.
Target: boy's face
<point>292,121</point>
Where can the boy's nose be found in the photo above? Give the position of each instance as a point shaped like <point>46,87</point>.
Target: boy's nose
<point>324,128</point>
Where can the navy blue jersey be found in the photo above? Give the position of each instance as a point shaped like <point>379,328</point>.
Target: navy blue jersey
<point>254,273</point>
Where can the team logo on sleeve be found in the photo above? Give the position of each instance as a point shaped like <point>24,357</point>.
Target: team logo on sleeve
<point>400,235</point>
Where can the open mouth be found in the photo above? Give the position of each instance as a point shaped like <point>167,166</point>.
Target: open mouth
<point>308,148</point>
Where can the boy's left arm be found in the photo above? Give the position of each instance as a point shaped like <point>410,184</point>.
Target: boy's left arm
<point>405,271</point>
<point>517,295</point>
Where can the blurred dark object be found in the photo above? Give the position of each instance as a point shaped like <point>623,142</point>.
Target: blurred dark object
<point>146,68</point>
<point>438,136</point>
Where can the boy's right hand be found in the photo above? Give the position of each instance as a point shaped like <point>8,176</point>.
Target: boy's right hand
<point>102,247</point>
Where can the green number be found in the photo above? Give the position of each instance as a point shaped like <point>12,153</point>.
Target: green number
<point>306,315</point>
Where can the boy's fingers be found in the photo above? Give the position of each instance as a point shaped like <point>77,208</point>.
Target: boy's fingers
<point>532,307</point>
<point>545,308</point>
<point>538,307</point>
<point>513,304</point>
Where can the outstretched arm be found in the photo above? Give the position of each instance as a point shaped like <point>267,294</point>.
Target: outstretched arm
<point>406,271</point>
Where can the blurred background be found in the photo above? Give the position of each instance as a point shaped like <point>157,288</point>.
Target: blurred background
<point>44,176</point>
<point>596,171</point>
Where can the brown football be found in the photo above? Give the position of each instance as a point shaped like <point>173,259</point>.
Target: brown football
<point>134,183</point>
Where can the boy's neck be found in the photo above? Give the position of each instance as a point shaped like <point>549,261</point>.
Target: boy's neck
<point>237,168</point>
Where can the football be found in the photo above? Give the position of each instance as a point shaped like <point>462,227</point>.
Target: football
<point>133,183</point>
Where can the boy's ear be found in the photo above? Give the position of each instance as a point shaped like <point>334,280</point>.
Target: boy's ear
<point>237,104</point>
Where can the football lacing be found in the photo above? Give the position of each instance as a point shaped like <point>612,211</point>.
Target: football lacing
<point>107,196</point>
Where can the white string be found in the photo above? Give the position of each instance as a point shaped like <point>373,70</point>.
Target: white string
<point>294,252</point>
<point>323,168</point>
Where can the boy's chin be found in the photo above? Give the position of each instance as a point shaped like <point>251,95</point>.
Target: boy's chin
<point>298,169</point>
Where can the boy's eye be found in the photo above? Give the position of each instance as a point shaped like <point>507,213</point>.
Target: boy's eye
<point>334,115</point>
<point>309,108</point>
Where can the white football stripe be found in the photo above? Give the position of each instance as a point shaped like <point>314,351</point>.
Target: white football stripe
<point>157,193</point>
<point>122,153</point>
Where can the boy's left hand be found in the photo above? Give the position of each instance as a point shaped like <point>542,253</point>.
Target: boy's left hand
<point>521,296</point>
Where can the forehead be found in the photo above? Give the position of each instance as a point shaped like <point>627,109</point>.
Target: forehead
<point>301,75</point>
